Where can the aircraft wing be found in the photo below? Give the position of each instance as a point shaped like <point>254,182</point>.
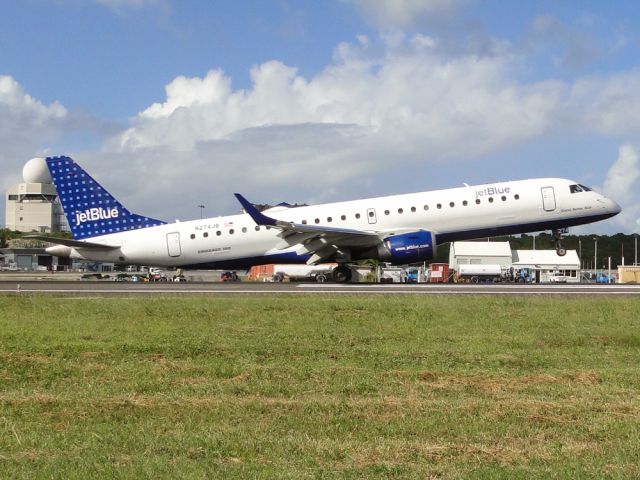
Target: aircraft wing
<point>320,241</point>
<point>73,243</point>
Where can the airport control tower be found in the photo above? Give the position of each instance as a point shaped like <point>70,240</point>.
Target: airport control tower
<point>33,206</point>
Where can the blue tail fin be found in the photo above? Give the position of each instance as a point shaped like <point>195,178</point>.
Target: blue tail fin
<point>90,210</point>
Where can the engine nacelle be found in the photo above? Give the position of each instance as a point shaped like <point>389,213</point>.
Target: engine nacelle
<point>404,248</point>
<point>59,251</point>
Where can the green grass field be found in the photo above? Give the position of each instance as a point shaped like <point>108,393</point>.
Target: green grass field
<point>319,387</point>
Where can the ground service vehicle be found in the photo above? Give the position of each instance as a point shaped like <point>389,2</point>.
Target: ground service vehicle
<point>479,273</point>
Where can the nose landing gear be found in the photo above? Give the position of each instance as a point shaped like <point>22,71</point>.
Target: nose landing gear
<point>558,235</point>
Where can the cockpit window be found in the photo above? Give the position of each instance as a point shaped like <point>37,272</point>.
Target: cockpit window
<point>579,188</point>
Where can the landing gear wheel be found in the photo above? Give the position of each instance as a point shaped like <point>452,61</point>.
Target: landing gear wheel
<point>342,274</point>
<point>557,235</point>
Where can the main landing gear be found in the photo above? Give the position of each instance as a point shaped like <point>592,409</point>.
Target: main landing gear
<point>558,235</point>
<point>342,273</point>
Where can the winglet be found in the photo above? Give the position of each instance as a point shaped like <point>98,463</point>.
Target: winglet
<point>253,212</point>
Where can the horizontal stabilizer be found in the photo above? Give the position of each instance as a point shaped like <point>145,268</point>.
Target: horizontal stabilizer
<point>73,243</point>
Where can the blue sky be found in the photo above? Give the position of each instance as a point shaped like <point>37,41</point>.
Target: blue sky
<point>319,101</point>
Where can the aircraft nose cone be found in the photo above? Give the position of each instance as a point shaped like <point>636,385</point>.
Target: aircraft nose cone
<point>614,208</point>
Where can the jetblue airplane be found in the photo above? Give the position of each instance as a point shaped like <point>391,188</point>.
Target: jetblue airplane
<point>400,229</point>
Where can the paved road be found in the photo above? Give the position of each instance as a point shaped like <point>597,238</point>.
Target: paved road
<point>115,289</point>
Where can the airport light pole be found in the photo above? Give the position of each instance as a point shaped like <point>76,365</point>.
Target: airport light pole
<point>595,256</point>
<point>580,251</point>
<point>201,207</point>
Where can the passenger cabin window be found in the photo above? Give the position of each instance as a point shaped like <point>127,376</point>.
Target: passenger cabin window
<point>304,222</point>
<point>490,199</point>
<point>451,204</point>
<point>193,235</point>
<point>343,217</point>
<point>218,233</point>
<point>329,219</point>
<point>516,196</point>
<point>504,199</point>
<point>413,209</point>
<point>257,228</point>
<point>244,229</point>
<point>357,215</point>
<point>400,210</point>
<point>439,205</point>
<point>317,220</point>
<point>465,203</point>
<point>477,201</point>
<point>386,212</point>
<point>426,207</point>
<point>205,234</point>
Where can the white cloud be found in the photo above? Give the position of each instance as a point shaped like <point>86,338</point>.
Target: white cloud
<point>623,184</point>
<point>16,103</point>
<point>408,95</point>
<point>376,108</point>
<point>609,105</point>
<point>391,14</point>
<point>573,48</point>
<point>396,105</point>
<point>26,126</point>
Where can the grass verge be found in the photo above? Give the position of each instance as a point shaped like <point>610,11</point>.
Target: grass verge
<point>319,387</point>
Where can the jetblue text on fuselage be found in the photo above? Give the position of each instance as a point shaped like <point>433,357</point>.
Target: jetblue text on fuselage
<point>492,191</point>
<point>96,213</point>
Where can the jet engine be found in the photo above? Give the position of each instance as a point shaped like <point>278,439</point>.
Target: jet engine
<point>412,247</point>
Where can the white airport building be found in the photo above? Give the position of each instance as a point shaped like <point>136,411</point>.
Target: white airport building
<point>541,265</point>
<point>548,266</point>
<point>479,253</point>
<point>33,206</point>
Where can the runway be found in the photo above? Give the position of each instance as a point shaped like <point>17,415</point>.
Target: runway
<point>240,288</point>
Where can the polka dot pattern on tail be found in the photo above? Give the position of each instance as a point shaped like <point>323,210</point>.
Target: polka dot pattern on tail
<point>90,210</point>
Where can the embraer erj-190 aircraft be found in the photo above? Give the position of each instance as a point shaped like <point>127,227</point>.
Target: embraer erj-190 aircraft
<point>399,229</point>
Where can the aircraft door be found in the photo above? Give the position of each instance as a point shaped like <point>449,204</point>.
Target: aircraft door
<point>371,215</point>
<point>173,244</point>
<point>548,199</point>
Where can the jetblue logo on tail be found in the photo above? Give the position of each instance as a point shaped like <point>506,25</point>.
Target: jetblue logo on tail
<point>93,214</point>
<point>90,210</point>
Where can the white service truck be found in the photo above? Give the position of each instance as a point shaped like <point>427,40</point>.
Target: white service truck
<point>319,273</point>
<point>475,273</point>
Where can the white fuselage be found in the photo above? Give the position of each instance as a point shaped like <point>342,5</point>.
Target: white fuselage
<point>235,241</point>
